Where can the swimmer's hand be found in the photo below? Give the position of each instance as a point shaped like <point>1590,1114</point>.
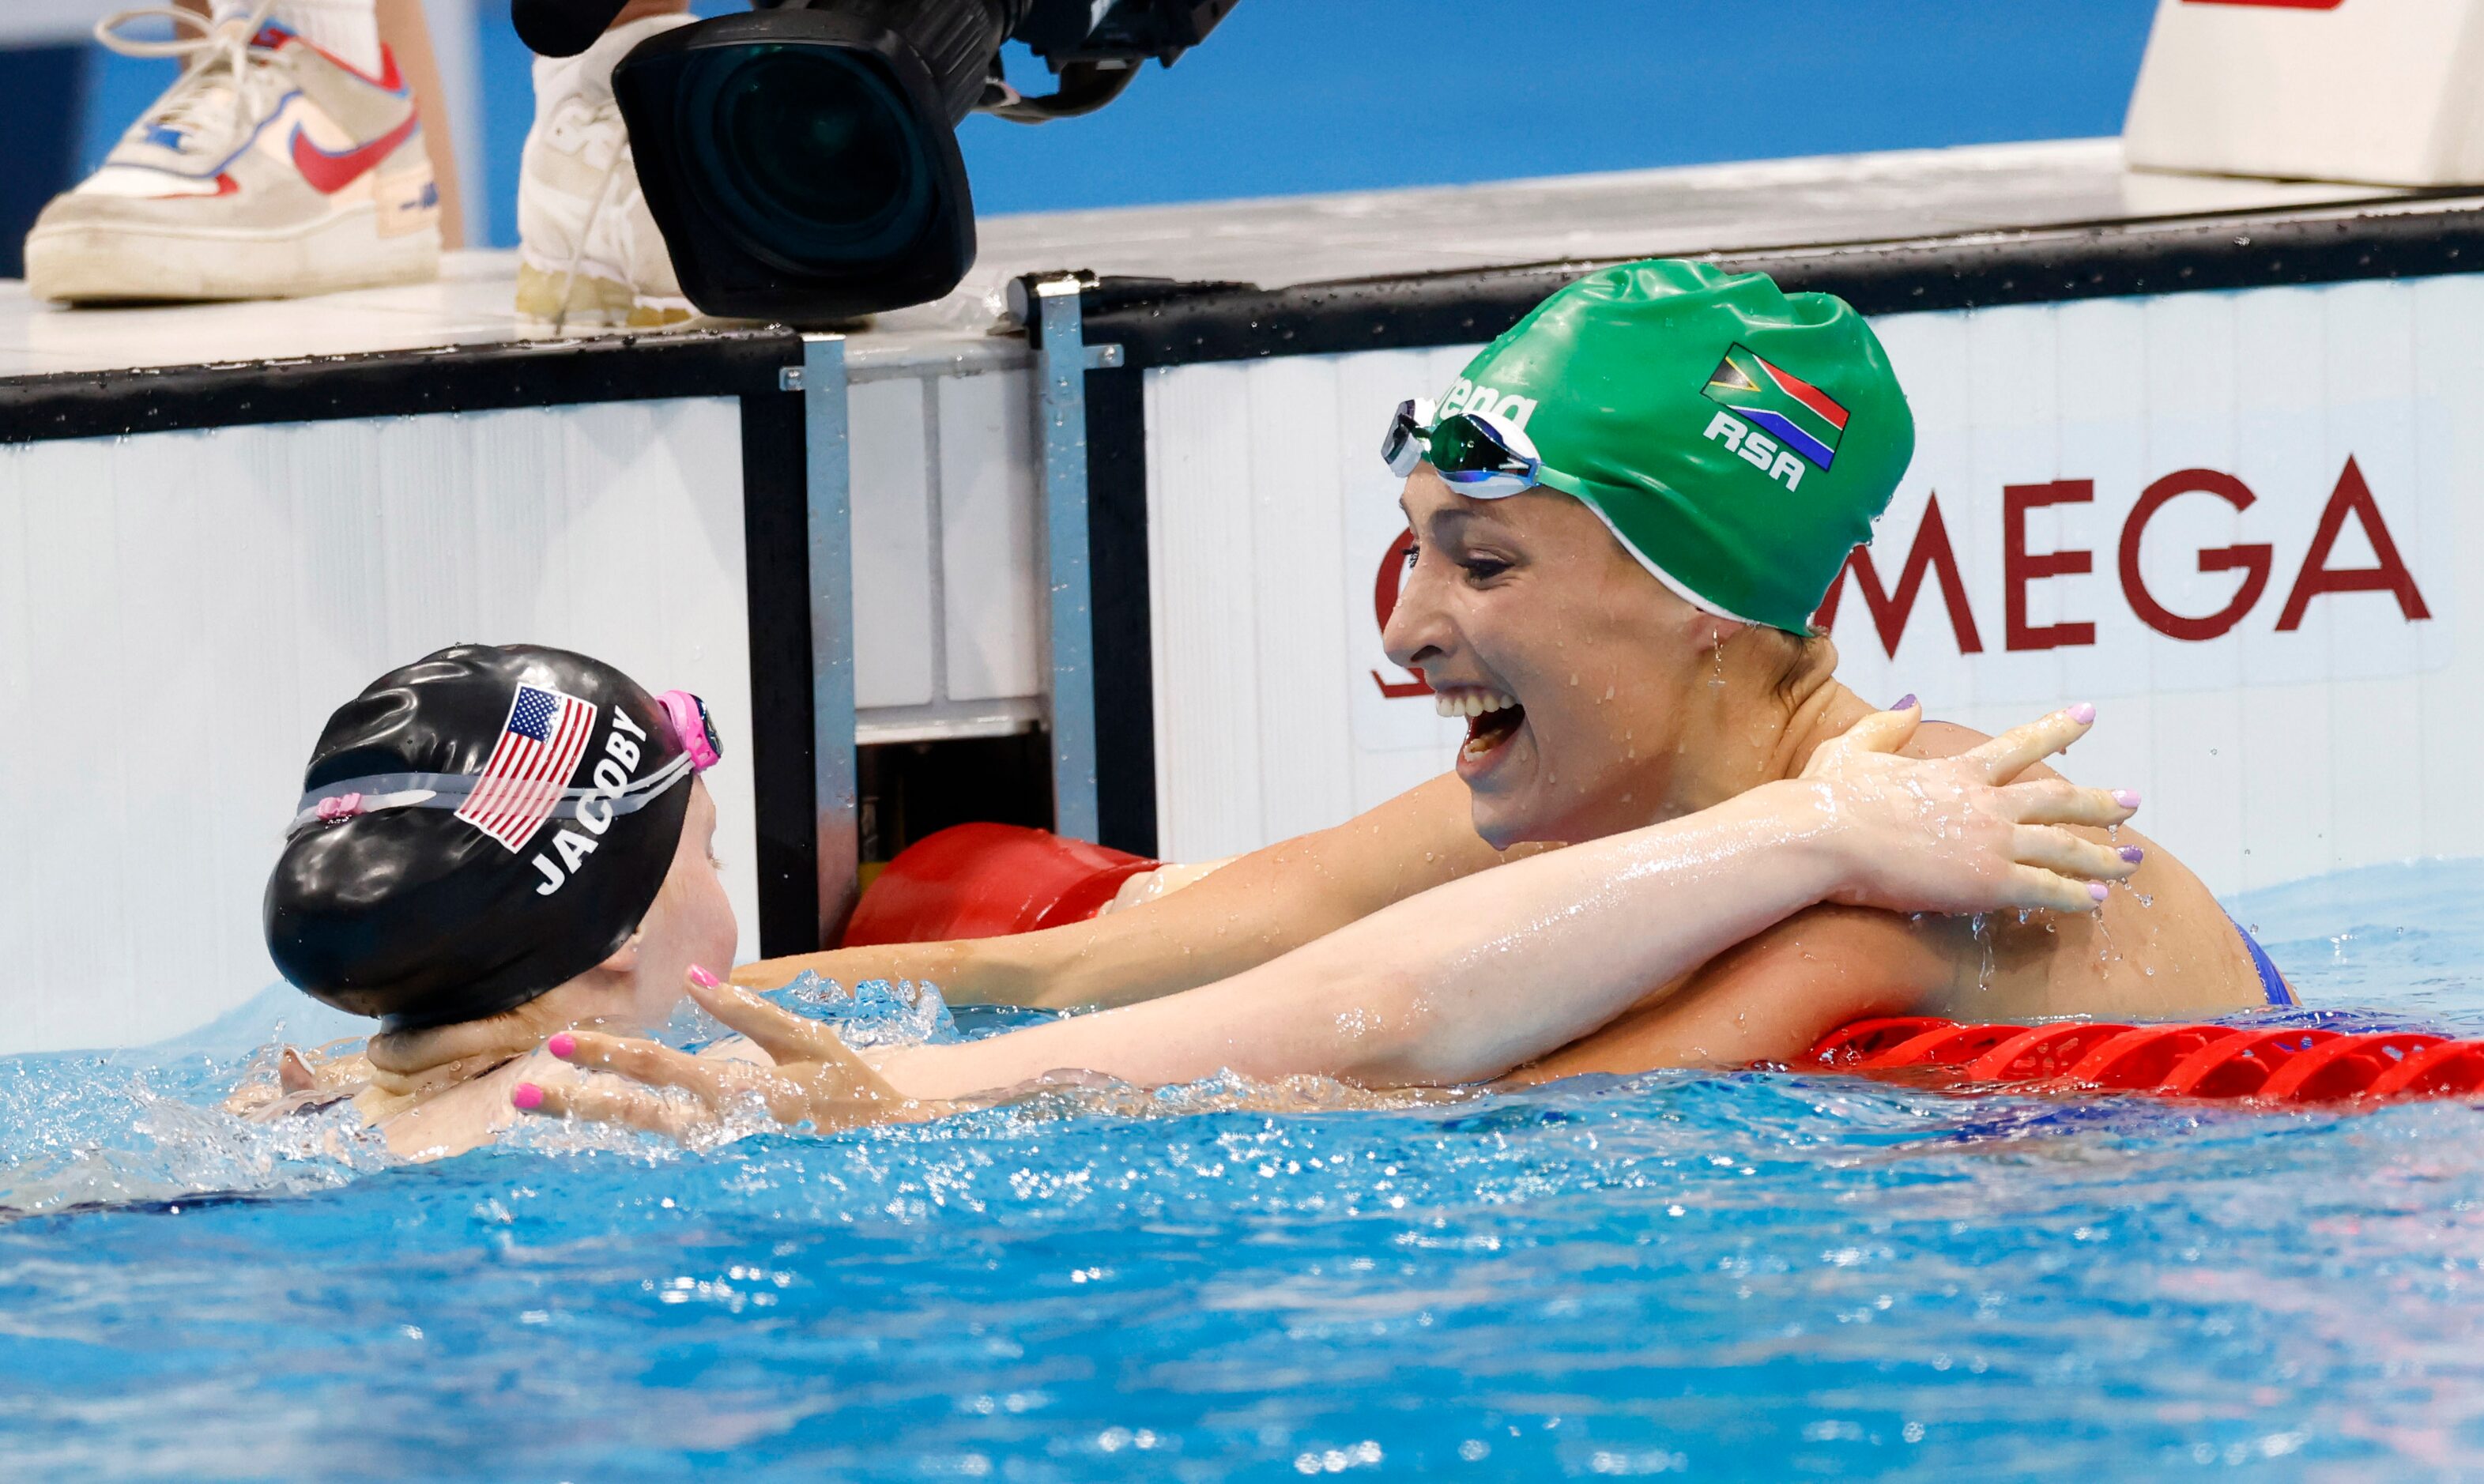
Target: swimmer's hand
<point>817,1079</point>
<point>1955,834</point>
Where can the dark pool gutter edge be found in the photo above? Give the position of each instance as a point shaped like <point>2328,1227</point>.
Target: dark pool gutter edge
<point>1159,325</point>
<point>394,383</point>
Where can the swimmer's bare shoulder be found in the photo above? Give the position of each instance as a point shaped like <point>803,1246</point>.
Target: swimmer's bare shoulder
<point>464,1116</point>
<point>2160,947</point>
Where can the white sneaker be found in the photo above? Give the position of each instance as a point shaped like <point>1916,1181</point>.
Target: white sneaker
<point>590,256</point>
<point>269,169</point>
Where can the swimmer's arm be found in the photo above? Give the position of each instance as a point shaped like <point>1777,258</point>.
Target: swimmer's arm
<point>1423,993</point>
<point>1254,909</point>
<point>1494,971</point>
<point>1771,998</point>
<point>1455,985</point>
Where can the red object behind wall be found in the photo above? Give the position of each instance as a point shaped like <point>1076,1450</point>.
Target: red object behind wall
<point>985,881</point>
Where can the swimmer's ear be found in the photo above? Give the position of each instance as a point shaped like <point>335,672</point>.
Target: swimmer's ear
<point>624,959</point>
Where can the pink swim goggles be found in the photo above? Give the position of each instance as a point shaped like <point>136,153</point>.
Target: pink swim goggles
<point>693,728</point>
<point>686,717</point>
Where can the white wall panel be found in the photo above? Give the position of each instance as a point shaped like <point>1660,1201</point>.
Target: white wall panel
<point>2448,383</point>
<point>895,582</point>
<point>2266,754</point>
<point>1303,674</point>
<point>990,551</point>
<point>1204,601</point>
<point>182,611</point>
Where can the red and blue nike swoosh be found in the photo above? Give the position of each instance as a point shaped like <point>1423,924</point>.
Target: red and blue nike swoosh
<point>329,174</point>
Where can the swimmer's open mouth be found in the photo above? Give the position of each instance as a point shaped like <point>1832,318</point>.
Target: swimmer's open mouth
<point>1492,718</point>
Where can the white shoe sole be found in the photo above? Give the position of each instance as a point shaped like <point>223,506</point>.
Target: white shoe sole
<point>101,264</point>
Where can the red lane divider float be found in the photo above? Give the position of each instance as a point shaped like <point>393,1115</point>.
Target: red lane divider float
<point>2138,1060</point>
<point>2238,1065</point>
<point>2292,1064</point>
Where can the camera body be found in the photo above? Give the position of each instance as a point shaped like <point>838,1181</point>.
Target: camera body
<point>801,161</point>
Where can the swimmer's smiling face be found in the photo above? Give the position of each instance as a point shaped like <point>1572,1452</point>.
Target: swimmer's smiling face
<point>1531,600</point>
<point>689,921</point>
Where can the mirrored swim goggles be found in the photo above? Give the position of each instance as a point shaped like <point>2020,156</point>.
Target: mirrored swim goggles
<point>1478,455</point>
<point>685,716</point>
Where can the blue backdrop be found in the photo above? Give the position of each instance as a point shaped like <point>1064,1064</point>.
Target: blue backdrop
<point>1294,95</point>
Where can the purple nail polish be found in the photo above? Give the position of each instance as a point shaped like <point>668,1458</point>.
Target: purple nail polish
<point>527,1099</point>
<point>2133,855</point>
<point>2083,712</point>
<point>563,1045</point>
<point>1905,702</point>
<point>2095,890</point>
<point>2128,798</point>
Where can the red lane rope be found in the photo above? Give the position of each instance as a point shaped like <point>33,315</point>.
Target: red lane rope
<point>2281,1066</point>
<point>1943,1045</point>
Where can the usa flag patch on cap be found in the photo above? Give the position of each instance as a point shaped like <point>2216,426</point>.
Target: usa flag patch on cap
<point>540,744</point>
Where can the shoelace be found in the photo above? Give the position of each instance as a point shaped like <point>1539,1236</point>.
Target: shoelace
<point>594,213</point>
<point>215,63</point>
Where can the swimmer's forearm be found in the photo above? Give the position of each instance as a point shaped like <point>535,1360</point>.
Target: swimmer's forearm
<point>989,970</point>
<point>1252,910</point>
<point>1262,906</point>
<point>1058,968</point>
<point>1457,984</point>
<point>1532,963</point>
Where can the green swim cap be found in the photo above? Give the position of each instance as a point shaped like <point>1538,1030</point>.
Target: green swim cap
<point>1737,440</point>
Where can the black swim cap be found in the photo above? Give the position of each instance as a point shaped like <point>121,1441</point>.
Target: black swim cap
<point>390,901</point>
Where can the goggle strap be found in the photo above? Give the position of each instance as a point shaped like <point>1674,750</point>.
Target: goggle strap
<point>348,797</point>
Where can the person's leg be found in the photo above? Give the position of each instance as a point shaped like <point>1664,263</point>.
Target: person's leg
<point>344,29</point>
<point>590,256</point>
<point>405,33</point>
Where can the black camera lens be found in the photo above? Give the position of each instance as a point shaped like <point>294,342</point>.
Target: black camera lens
<point>802,163</point>
<point>809,154</point>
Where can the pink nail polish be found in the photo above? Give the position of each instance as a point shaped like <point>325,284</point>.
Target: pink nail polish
<point>2128,798</point>
<point>1905,702</point>
<point>702,978</point>
<point>2133,855</point>
<point>2095,890</point>
<point>527,1099</point>
<point>563,1045</point>
<point>2083,712</point>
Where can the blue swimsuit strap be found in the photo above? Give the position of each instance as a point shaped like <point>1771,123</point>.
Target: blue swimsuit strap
<point>2271,982</point>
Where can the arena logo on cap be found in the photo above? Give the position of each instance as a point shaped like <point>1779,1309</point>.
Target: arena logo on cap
<point>1467,397</point>
<point>1772,411</point>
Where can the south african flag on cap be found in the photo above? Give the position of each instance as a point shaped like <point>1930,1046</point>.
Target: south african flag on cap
<point>1799,415</point>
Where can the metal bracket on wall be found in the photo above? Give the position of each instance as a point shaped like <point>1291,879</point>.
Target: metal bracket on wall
<point>1060,427</point>
<point>821,380</point>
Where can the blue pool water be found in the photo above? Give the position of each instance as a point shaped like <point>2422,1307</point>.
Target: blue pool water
<point>1749,1275</point>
